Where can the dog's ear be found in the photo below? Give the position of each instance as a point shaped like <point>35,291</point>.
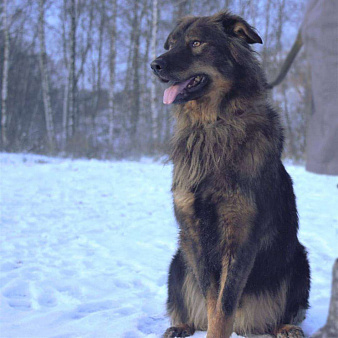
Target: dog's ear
<point>243,30</point>
<point>235,25</point>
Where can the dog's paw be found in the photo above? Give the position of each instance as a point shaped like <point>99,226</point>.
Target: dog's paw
<point>290,331</point>
<point>183,330</point>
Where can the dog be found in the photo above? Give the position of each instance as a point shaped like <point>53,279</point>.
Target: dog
<point>239,266</point>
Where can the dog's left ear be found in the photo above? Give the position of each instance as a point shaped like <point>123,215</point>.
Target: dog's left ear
<point>243,30</point>
<point>237,26</point>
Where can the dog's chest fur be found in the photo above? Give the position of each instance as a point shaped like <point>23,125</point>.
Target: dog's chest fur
<point>205,150</point>
<point>207,157</point>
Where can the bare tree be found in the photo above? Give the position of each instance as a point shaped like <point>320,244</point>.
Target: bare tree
<point>97,68</point>
<point>99,59</point>
<point>253,11</point>
<point>154,115</point>
<point>75,52</point>
<point>135,107</point>
<point>4,76</point>
<point>112,61</point>
<point>45,78</point>
<point>82,84</point>
<point>181,8</point>
<point>227,4</point>
<point>135,69</point>
<point>72,75</point>
<point>266,34</point>
<point>87,40</point>
<point>66,88</point>
<point>279,30</point>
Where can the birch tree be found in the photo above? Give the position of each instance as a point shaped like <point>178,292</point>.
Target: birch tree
<point>74,58</point>
<point>112,61</point>
<point>154,114</point>
<point>72,80</point>
<point>4,76</point>
<point>99,59</point>
<point>135,67</point>
<point>266,34</point>
<point>181,8</point>
<point>227,4</point>
<point>45,78</point>
<point>66,87</point>
<point>97,81</point>
<point>281,22</point>
<point>96,69</point>
<point>253,12</point>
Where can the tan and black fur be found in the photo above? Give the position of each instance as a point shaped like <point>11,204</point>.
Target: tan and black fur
<point>239,266</point>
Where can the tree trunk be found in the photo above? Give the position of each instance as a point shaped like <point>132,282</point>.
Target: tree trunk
<point>253,11</point>
<point>4,77</point>
<point>99,59</point>
<point>72,80</point>
<point>112,61</point>
<point>227,4</point>
<point>146,60</point>
<point>266,34</point>
<point>279,31</point>
<point>97,80</point>
<point>66,88</point>
<point>45,79</point>
<point>135,104</point>
<point>65,114</point>
<point>154,113</point>
<point>181,9</point>
<point>89,41</point>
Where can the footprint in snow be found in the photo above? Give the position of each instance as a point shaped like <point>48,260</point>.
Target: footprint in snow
<point>20,304</point>
<point>18,296</point>
<point>9,266</point>
<point>47,300</point>
<point>84,310</point>
<point>17,290</point>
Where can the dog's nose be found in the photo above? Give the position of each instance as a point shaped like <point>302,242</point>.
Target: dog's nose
<point>158,65</point>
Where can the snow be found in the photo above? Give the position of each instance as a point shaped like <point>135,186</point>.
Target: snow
<point>86,244</point>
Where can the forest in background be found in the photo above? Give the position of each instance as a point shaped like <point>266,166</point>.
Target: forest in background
<point>76,80</point>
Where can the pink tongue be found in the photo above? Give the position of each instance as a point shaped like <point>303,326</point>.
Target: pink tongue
<point>170,93</point>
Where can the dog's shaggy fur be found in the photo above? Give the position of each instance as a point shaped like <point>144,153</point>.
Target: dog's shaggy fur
<point>239,266</point>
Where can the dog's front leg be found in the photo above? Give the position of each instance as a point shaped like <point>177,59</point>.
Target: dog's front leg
<point>234,275</point>
<point>237,222</point>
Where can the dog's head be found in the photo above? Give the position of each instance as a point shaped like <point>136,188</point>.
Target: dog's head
<point>203,53</point>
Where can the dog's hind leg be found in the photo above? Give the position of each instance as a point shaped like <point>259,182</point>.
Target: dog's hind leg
<point>186,304</point>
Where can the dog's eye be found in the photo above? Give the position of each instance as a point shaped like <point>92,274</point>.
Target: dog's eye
<point>196,43</point>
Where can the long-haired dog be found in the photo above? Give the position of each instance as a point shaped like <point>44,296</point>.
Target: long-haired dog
<point>239,266</point>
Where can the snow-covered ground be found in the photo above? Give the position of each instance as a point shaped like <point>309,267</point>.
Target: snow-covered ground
<point>85,246</point>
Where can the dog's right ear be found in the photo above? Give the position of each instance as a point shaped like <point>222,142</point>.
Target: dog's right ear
<point>235,25</point>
